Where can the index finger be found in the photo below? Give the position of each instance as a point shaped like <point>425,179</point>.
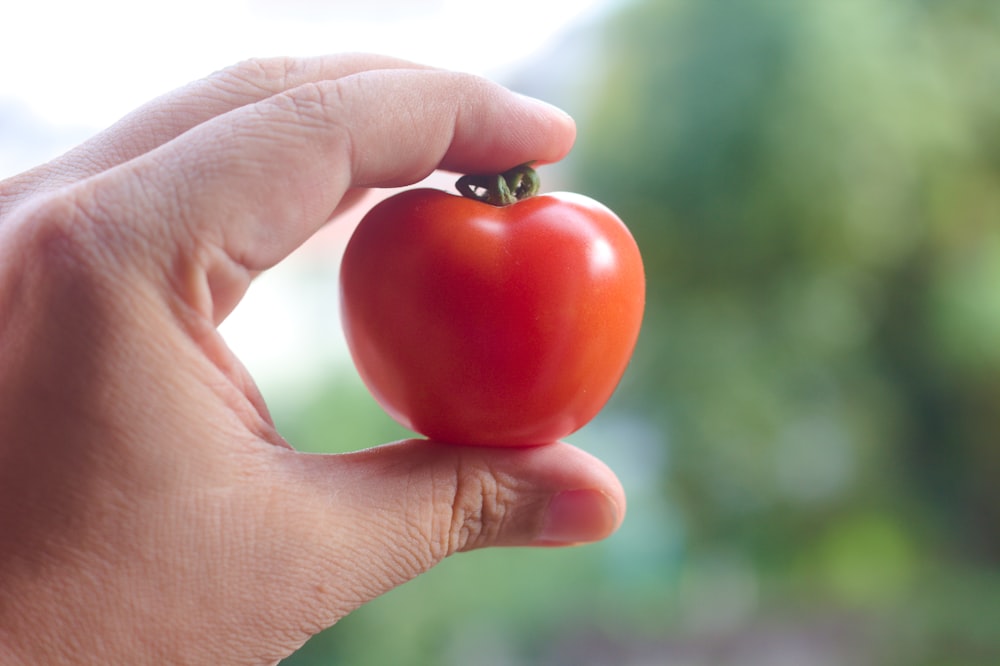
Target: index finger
<point>170,115</point>
<point>256,182</point>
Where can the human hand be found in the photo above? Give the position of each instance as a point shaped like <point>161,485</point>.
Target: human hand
<point>149,510</point>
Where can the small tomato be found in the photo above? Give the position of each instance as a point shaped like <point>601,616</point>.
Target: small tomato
<point>476,323</point>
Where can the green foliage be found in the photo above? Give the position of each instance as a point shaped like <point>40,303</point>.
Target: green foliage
<point>815,187</point>
<point>338,417</point>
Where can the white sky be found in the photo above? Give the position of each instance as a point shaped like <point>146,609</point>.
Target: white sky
<point>88,62</point>
<point>71,67</point>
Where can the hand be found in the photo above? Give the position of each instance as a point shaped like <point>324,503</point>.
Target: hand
<point>149,511</point>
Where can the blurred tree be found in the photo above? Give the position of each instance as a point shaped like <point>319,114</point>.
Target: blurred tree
<point>816,191</point>
<point>815,187</point>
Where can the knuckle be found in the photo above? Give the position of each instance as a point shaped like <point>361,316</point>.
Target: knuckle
<point>267,74</point>
<point>81,228</point>
<point>50,251</point>
<point>54,231</point>
<point>480,509</point>
<point>320,106</point>
<point>310,103</point>
<point>316,103</point>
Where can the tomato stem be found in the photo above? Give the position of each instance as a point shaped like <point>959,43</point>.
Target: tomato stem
<point>500,189</point>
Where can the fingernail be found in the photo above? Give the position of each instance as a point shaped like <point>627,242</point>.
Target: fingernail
<point>578,516</point>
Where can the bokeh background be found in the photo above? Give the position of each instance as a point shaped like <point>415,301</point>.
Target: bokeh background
<point>809,433</point>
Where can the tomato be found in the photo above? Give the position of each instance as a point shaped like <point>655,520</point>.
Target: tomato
<point>479,324</point>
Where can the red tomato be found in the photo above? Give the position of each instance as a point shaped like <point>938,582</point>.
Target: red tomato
<point>491,325</point>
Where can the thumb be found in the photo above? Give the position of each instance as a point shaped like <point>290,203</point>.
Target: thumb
<point>387,514</point>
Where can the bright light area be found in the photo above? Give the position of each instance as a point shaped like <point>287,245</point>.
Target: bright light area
<point>87,63</point>
<point>72,68</point>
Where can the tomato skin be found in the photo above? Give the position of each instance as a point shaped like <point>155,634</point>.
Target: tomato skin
<point>484,325</point>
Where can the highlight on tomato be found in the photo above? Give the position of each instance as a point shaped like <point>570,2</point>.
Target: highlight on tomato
<point>499,317</point>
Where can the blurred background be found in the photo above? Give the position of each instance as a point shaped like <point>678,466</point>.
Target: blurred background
<point>809,433</point>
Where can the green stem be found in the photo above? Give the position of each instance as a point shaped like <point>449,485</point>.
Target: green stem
<point>501,189</point>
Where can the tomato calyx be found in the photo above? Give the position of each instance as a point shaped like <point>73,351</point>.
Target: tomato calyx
<point>500,189</point>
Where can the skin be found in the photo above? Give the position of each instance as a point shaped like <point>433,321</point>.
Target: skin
<point>149,510</point>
